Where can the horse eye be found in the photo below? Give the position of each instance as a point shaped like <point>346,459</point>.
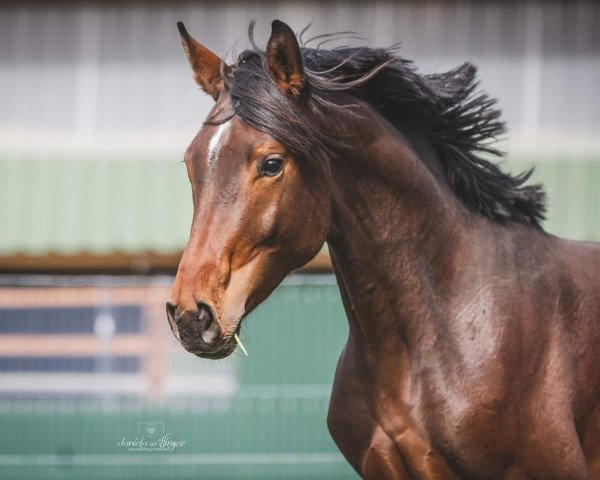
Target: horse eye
<point>271,167</point>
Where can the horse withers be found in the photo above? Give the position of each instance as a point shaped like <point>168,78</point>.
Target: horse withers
<point>473,347</point>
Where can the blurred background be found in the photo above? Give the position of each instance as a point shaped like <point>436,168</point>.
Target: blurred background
<point>97,106</point>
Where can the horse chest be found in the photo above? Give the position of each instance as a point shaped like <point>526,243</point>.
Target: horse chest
<point>406,426</point>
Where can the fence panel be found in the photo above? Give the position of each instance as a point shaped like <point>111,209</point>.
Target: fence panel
<point>94,385</point>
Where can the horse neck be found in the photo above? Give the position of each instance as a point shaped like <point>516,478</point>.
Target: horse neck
<point>396,228</point>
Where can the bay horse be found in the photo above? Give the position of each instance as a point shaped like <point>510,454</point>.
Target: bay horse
<point>474,344</point>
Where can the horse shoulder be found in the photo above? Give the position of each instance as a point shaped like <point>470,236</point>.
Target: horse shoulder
<point>380,439</point>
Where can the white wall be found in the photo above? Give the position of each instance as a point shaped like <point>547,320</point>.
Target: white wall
<point>114,76</point>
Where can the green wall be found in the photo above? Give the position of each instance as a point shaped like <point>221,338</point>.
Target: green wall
<point>132,205</point>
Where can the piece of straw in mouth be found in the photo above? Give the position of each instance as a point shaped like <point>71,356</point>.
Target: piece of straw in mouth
<point>239,342</point>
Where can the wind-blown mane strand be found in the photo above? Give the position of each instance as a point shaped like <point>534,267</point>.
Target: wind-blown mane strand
<point>460,123</point>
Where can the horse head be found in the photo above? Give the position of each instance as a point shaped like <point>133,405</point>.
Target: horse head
<point>259,212</point>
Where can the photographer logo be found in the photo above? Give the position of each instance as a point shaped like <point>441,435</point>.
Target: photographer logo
<point>151,437</point>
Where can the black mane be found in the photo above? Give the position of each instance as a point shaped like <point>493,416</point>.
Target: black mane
<point>459,122</point>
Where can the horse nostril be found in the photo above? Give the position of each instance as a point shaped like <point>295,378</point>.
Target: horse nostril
<point>205,317</point>
<point>171,310</point>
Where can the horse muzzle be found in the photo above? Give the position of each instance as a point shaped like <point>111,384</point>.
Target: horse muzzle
<point>199,332</point>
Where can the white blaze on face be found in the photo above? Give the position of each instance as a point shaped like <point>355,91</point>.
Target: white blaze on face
<point>217,140</point>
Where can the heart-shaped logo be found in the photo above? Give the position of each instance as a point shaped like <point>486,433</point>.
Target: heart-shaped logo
<point>151,430</point>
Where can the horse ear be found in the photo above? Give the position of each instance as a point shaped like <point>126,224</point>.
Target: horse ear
<point>205,64</point>
<point>285,60</point>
